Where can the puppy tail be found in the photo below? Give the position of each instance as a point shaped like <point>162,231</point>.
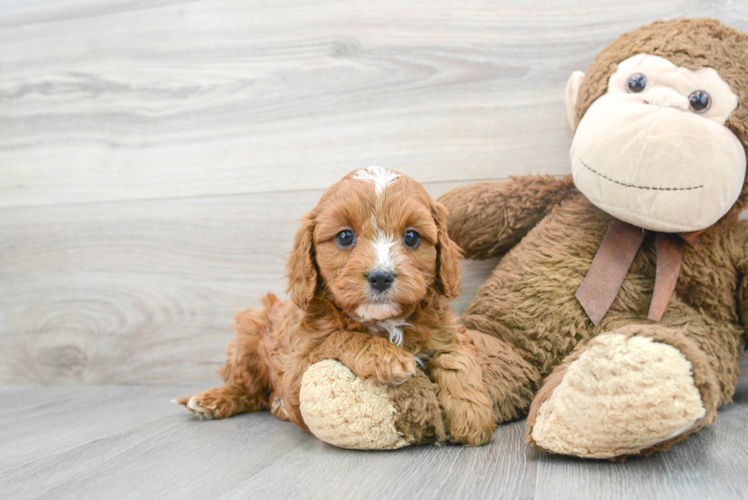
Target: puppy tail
<point>246,370</point>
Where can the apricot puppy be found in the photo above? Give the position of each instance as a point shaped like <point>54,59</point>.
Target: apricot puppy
<point>370,278</point>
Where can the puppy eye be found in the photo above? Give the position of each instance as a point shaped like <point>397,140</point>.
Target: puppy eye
<point>411,239</point>
<point>345,238</point>
<point>699,101</point>
<point>637,83</point>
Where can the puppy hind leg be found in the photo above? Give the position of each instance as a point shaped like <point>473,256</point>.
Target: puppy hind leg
<point>220,402</point>
<point>247,387</point>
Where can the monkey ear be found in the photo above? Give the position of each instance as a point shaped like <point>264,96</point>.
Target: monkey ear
<point>572,93</point>
<point>300,269</point>
<point>448,255</point>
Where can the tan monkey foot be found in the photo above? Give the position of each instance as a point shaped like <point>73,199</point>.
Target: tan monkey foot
<point>342,411</point>
<point>620,395</point>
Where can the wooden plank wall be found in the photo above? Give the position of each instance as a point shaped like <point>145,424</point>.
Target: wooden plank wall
<point>155,154</point>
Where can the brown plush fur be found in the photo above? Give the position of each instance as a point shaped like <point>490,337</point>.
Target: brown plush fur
<point>330,293</point>
<point>529,300</point>
<point>552,232</point>
<point>419,417</point>
<point>510,380</point>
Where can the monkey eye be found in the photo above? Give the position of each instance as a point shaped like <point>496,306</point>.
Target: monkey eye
<point>699,101</point>
<point>411,239</point>
<point>345,238</point>
<point>637,83</point>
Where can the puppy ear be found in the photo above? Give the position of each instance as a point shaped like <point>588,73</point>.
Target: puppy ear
<point>448,255</point>
<point>300,269</point>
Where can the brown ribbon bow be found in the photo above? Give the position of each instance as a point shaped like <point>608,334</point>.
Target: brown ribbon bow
<point>613,260</point>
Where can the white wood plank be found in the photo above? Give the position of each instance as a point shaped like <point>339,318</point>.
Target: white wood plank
<point>173,455</point>
<point>143,292</point>
<point>41,421</point>
<point>140,100</point>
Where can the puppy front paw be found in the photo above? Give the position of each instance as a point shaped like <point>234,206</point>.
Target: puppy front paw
<point>469,423</point>
<point>401,369</point>
<point>389,365</point>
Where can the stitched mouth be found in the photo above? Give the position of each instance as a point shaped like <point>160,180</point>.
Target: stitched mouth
<point>651,188</point>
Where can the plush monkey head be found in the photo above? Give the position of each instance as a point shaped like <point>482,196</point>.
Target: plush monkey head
<point>661,121</point>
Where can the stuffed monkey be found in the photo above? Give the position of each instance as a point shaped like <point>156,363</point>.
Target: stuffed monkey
<point>622,288</point>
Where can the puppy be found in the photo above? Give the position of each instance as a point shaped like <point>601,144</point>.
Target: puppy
<point>370,278</point>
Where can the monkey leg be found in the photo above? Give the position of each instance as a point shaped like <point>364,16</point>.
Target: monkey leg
<point>511,381</point>
<point>634,390</point>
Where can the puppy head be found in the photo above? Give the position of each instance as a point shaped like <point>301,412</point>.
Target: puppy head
<point>377,242</point>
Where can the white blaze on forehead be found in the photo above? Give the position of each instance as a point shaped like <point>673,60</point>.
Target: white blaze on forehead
<point>382,245</point>
<point>380,177</point>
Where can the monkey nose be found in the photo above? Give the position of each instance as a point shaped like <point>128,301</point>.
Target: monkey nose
<point>665,98</point>
<point>380,280</point>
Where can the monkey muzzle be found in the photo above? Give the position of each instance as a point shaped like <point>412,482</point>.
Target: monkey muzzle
<point>656,165</point>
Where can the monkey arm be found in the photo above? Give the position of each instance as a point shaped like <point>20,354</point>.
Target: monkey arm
<point>489,218</point>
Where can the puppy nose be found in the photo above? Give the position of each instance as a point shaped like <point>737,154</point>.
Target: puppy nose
<point>380,280</point>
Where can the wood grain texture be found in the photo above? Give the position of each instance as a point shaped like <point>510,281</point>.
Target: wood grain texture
<point>142,292</point>
<point>155,155</point>
<point>137,100</point>
<point>129,442</point>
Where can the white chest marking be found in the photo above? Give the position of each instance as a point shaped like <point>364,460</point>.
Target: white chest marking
<point>393,327</point>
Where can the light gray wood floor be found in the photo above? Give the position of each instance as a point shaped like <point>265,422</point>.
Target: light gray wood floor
<point>130,442</point>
